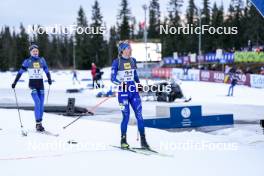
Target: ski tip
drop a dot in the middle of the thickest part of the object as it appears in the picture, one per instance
(24, 134)
(72, 142)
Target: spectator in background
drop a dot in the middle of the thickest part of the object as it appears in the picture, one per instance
(186, 66)
(248, 71)
(239, 70)
(74, 77)
(262, 70)
(93, 72)
(232, 70)
(227, 71)
(98, 77)
(258, 50)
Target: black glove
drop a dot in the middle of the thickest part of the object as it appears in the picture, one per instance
(49, 79)
(124, 86)
(139, 87)
(13, 85)
(16, 80)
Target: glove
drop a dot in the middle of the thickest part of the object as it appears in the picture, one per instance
(139, 87)
(13, 85)
(16, 80)
(49, 81)
(49, 78)
(124, 86)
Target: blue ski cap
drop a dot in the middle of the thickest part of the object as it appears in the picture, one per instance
(34, 46)
(122, 46)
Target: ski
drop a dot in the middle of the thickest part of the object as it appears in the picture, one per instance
(72, 142)
(188, 100)
(151, 151)
(23, 132)
(131, 150)
(256, 142)
(48, 133)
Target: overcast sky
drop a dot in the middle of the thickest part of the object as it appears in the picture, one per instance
(50, 12)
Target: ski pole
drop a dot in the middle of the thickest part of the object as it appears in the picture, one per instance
(24, 133)
(48, 95)
(92, 110)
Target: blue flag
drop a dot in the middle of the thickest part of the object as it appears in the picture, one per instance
(259, 4)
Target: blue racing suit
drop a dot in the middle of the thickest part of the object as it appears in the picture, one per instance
(124, 74)
(234, 80)
(35, 67)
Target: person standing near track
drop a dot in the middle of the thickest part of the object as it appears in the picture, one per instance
(93, 73)
(234, 80)
(125, 75)
(35, 66)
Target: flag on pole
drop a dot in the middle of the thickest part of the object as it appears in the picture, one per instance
(259, 4)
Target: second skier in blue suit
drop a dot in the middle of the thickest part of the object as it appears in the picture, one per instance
(125, 75)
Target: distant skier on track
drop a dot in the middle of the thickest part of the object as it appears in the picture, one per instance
(35, 66)
(234, 77)
(125, 75)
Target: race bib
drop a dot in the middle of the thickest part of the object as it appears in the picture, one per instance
(126, 75)
(35, 73)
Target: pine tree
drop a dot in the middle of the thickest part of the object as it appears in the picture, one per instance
(22, 45)
(123, 21)
(191, 16)
(3, 60)
(234, 19)
(82, 47)
(206, 12)
(173, 42)
(112, 45)
(217, 20)
(191, 13)
(154, 19)
(98, 48)
(7, 49)
(206, 39)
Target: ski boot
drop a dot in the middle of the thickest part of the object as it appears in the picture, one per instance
(124, 144)
(144, 143)
(39, 127)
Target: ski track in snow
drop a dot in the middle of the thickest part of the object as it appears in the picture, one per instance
(93, 155)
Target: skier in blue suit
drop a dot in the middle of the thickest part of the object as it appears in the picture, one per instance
(35, 66)
(234, 80)
(125, 75)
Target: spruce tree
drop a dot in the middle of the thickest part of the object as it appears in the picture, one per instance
(154, 19)
(123, 21)
(206, 18)
(22, 46)
(191, 16)
(82, 46)
(98, 47)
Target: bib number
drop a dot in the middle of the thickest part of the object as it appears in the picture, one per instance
(35, 73)
(126, 75)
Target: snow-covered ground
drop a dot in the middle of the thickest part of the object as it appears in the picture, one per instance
(231, 151)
